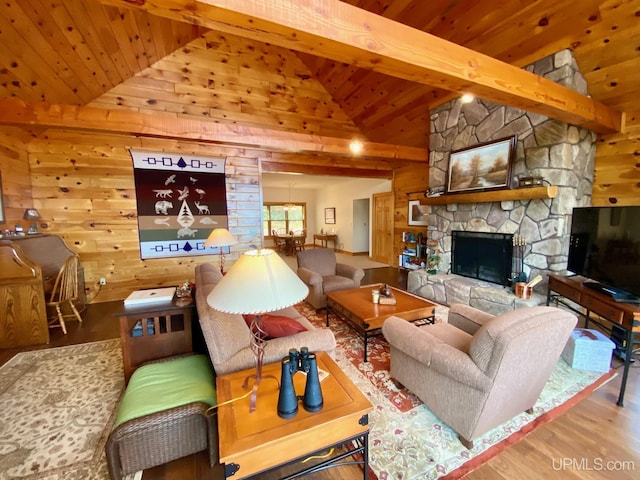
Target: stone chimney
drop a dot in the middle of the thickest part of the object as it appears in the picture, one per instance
(560, 153)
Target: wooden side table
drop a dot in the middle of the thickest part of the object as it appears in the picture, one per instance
(254, 443)
(153, 331)
(325, 238)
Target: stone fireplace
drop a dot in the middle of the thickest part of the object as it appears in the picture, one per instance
(482, 255)
(562, 154)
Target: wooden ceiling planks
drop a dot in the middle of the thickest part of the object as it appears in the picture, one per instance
(602, 33)
(391, 48)
(39, 19)
(74, 51)
(24, 50)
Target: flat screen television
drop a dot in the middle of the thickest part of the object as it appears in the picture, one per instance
(605, 247)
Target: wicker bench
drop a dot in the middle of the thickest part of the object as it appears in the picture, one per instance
(162, 416)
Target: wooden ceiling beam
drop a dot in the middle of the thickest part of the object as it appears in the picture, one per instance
(40, 114)
(280, 167)
(339, 31)
(327, 164)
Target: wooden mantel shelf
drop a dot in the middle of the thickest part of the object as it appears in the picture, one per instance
(550, 191)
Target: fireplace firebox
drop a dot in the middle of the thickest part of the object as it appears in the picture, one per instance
(485, 256)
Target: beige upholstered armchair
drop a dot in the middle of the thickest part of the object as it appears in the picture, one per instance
(478, 371)
(319, 270)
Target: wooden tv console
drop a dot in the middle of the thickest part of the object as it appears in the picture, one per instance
(625, 315)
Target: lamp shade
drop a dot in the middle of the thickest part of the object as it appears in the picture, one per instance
(31, 214)
(220, 237)
(258, 282)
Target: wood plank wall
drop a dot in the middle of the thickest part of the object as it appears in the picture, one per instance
(84, 188)
(16, 177)
(234, 80)
(407, 179)
(617, 167)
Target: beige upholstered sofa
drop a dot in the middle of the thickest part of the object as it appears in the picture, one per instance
(228, 337)
(320, 271)
(477, 371)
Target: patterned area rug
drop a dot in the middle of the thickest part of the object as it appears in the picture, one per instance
(409, 442)
(376, 369)
(57, 407)
(56, 411)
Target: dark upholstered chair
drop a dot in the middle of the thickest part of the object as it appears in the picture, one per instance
(477, 371)
(320, 271)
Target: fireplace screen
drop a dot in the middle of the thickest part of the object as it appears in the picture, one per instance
(485, 256)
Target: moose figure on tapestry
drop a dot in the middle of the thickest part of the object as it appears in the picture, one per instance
(180, 200)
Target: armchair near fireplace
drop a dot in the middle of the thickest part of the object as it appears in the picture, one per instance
(477, 371)
(322, 273)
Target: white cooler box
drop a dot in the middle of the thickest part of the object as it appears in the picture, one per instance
(588, 350)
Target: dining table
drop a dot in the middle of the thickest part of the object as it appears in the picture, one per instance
(290, 242)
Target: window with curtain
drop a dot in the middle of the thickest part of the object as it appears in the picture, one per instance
(284, 218)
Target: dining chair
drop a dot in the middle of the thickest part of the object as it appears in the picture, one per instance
(279, 242)
(65, 290)
(299, 240)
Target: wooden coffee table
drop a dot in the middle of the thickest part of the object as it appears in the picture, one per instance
(253, 443)
(356, 308)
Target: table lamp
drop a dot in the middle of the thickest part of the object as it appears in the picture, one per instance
(258, 282)
(33, 215)
(220, 238)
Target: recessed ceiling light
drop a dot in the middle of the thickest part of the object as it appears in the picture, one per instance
(355, 147)
(467, 98)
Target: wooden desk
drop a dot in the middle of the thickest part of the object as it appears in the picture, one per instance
(626, 315)
(22, 303)
(253, 443)
(29, 266)
(325, 239)
(154, 330)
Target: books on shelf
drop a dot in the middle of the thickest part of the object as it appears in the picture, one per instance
(152, 295)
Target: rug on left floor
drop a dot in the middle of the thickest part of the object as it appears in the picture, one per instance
(57, 407)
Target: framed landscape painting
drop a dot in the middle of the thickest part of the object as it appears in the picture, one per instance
(481, 167)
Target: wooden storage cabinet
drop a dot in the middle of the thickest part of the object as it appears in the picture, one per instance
(153, 331)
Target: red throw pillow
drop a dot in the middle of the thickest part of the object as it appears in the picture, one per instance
(276, 326)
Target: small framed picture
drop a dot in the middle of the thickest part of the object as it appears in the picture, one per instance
(418, 214)
(330, 215)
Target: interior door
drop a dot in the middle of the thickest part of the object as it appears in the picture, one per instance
(382, 228)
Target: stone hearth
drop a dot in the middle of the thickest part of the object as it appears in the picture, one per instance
(448, 289)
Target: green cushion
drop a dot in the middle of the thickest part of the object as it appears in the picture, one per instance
(160, 386)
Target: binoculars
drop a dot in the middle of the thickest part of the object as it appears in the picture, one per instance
(312, 401)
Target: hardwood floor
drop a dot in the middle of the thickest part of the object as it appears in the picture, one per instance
(595, 439)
